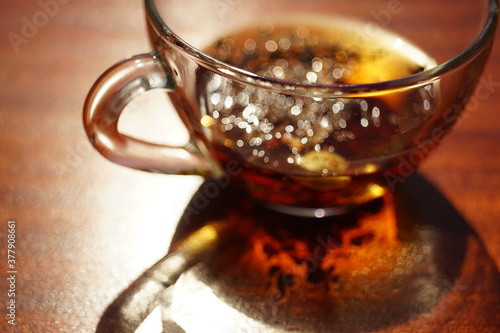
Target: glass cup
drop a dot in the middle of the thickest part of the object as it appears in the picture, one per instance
(313, 107)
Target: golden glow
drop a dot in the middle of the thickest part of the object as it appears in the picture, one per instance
(319, 161)
(376, 190)
(207, 121)
(369, 168)
(201, 240)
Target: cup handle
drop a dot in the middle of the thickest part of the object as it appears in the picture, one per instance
(105, 103)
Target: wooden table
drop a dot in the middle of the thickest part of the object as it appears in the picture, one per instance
(85, 228)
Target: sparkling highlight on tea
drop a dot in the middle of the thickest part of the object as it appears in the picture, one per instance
(315, 143)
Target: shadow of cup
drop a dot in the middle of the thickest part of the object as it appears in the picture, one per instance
(395, 260)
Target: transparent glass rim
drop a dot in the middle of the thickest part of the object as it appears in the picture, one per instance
(225, 69)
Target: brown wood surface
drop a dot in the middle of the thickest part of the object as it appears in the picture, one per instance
(86, 228)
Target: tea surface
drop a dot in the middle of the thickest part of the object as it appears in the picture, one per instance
(334, 148)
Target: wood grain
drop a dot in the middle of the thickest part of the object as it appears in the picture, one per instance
(86, 228)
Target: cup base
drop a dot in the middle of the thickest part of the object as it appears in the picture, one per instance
(306, 211)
